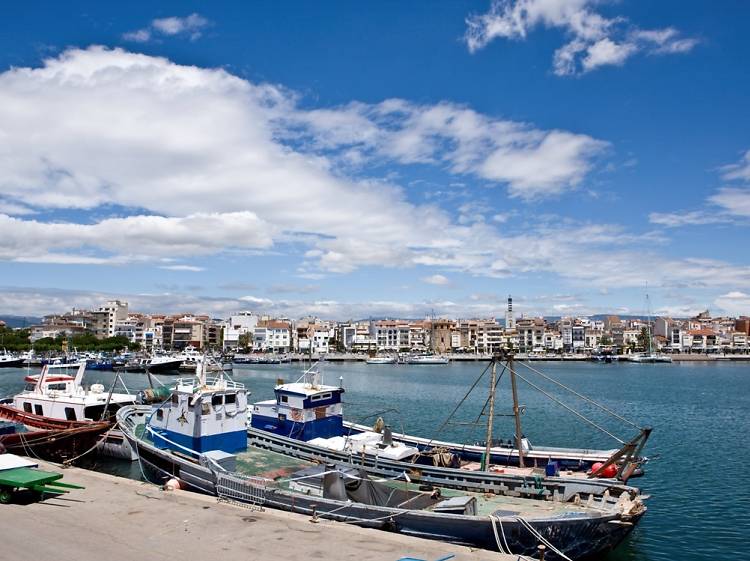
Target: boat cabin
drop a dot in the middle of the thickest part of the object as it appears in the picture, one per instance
(200, 415)
(60, 396)
(302, 410)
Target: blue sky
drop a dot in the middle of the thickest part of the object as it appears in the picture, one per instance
(389, 158)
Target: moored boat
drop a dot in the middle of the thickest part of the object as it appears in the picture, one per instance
(59, 401)
(193, 440)
(427, 359)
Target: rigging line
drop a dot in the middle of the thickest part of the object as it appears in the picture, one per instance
(553, 398)
(474, 385)
(487, 401)
(600, 406)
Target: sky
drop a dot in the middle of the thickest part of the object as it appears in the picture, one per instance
(376, 159)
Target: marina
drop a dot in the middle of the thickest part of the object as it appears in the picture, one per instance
(366, 395)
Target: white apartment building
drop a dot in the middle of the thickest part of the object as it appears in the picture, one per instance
(243, 323)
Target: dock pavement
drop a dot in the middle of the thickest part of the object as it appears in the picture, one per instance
(117, 518)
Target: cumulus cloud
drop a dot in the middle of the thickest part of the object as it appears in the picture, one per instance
(533, 163)
(594, 40)
(734, 302)
(191, 146)
(438, 280)
(191, 26)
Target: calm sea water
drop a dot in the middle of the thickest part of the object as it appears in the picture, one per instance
(700, 447)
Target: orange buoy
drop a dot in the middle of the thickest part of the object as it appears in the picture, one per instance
(609, 472)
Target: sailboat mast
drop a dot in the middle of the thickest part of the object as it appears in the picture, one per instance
(516, 410)
(491, 416)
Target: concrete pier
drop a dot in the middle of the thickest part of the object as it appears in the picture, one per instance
(116, 518)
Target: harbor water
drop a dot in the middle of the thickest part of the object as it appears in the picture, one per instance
(700, 456)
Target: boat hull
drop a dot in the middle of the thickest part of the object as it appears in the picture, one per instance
(579, 537)
(56, 445)
(479, 481)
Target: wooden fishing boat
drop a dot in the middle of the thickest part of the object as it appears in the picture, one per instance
(55, 445)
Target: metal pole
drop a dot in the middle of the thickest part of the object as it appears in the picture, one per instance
(491, 417)
(516, 410)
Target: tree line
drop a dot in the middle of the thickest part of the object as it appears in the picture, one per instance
(17, 340)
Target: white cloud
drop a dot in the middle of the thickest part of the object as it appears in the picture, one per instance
(189, 268)
(735, 201)
(693, 218)
(735, 303)
(738, 171)
(191, 25)
(438, 280)
(134, 238)
(594, 40)
(98, 127)
(533, 163)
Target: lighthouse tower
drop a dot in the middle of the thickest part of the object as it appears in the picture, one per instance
(510, 320)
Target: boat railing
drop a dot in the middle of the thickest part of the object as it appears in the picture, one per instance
(212, 382)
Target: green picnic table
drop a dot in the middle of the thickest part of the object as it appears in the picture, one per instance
(33, 479)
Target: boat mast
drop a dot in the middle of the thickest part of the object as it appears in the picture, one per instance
(516, 410)
(491, 417)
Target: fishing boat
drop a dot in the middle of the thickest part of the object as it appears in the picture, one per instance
(306, 420)
(156, 364)
(194, 437)
(55, 444)
(52, 400)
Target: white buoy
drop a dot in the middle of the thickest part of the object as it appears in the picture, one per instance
(172, 485)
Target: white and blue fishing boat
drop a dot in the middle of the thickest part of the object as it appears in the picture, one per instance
(305, 420)
(192, 437)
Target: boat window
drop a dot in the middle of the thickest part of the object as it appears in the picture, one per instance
(159, 414)
(282, 417)
(29, 387)
(230, 398)
(175, 398)
(70, 414)
(205, 408)
(217, 400)
(284, 399)
(320, 396)
(27, 407)
(38, 409)
(56, 387)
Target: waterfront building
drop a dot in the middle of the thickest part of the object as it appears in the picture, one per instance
(272, 336)
(239, 325)
(107, 317)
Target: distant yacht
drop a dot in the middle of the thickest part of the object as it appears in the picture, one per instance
(381, 360)
(651, 355)
(427, 359)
